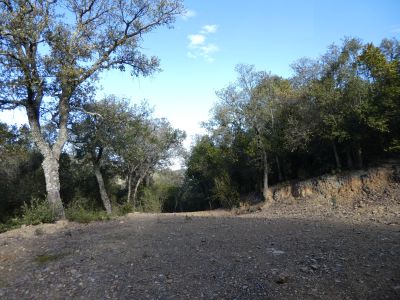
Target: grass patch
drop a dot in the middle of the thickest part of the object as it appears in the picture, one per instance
(10, 224)
(45, 258)
(3, 283)
(37, 212)
(80, 214)
(122, 209)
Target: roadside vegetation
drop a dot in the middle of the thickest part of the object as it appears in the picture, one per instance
(87, 159)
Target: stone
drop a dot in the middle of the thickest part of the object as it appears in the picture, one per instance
(282, 278)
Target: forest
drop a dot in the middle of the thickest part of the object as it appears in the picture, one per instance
(82, 158)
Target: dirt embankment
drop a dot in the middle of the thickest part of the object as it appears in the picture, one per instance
(337, 237)
(346, 189)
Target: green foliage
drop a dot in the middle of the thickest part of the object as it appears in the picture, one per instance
(10, 224)
(152, 199)
(163, 192)
(225, 192)
(46, 258)
(339, 111)
(38, 211)
(21, 176)
(78, 211)
(122, 209)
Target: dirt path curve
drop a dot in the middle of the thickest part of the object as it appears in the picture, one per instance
(203, 256)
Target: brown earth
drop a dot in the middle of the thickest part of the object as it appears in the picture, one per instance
(312, 246)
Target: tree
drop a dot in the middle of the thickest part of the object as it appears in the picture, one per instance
(251, 105)
(146, 149)
(99, 134)
(381, 68)
(50, 51)
(21, 178)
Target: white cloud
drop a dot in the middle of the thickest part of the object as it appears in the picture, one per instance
(199, 45)
(209, 29)
(188, 14)
(196, 39)
(209, 49)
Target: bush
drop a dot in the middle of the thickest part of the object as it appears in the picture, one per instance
(153, 197)
(122, 209)
(10, 224)
(77, 212)
(39, 211)
(224, 191)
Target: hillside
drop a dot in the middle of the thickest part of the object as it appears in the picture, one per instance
(335, 237)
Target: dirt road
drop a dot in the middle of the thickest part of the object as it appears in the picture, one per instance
(217, 255)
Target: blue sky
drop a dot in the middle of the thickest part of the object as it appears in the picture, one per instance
(199, 54)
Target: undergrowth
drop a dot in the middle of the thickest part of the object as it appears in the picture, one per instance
(77, 212)
(38, 212)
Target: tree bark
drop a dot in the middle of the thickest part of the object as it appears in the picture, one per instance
(103, 193)
(264, 163)
(337, 158)
(50, 162)
(51, 173)
(140, 179)
(138, 182)
(265, 182)
(129, 187)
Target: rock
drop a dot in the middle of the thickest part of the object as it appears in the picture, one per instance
(278, 252)
(304, 269)
(282, 278)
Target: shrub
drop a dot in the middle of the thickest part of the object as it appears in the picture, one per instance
(10, 224)
(153, 197)
(122, 209)
(39, 211)
(77, 212)
(224, 191)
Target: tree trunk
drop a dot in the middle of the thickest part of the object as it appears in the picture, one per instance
(265, 183)
(50, 167)
(136, 189)
(337, 159)
(129, 188)
(50, 162)
(349, 159)
(278, 165)
(102, 189)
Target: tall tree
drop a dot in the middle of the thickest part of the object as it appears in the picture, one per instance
(99, 134)
(145, 150)
(51, 50)
(380, 66)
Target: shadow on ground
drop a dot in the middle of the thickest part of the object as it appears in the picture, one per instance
(180, 257)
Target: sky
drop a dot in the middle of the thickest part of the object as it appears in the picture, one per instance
(199, 54)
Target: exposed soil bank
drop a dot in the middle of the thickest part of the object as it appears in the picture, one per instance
(310, 247)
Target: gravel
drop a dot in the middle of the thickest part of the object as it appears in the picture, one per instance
(282, 252)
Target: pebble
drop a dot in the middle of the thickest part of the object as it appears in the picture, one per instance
(282, 278)
(304, 269)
